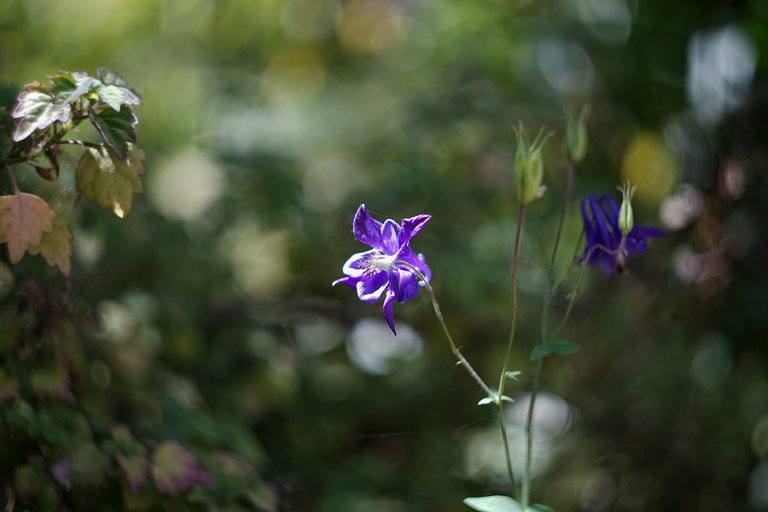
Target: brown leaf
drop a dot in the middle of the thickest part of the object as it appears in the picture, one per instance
(23, 220)
(55, 246)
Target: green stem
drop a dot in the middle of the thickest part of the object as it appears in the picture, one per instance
(12, 176)
(510, 342)
(551, 271)
(459, 356)
(574, 292)
(82, 143)
(526, 485)
(525, 490)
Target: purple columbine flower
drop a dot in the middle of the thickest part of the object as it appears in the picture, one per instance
(388, 268)
(607, 245)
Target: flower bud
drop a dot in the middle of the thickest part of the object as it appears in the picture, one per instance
(626, 218)
(529, 166)
(576, 135)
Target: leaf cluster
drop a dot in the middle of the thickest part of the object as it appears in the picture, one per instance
(81, 430)
(108, 170)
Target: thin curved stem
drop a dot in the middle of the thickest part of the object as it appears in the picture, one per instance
(551, 270)
(12, 176)
(438, 312)
(82, 143)
(574, 294)
(505, 367)
(525, 487)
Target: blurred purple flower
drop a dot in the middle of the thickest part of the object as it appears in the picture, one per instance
(62, 473)
(606, 245)
(175, 469)
(389, 265)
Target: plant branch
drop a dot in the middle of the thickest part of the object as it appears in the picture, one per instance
(526, 482)
(82, 143)
(12, 176)
(505, 367)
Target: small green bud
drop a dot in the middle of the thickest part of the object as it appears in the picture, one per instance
(626, 218)
(576, 134)
(529, 166)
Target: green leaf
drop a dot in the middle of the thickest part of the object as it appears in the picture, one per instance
(563, 348)
(514, 375)
(104, 179)
(39, 106)
(117, 129)
(493, 504)
(487, 401)
(35, 110)
(68, 87)
(114, 90)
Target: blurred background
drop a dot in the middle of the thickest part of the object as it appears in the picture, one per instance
(207, 316)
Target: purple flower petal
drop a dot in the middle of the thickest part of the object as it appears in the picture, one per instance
(408, 256)
(389, 301)
(408, 286)
(646, 232)
(349, 281)
(358, 263)
(370, 288)
(610, 210)
(393, 281)
(366, 229)
(390, 234)
(636, 245)
(412, 226)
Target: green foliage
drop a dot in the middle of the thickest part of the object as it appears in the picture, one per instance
(117, 129)
(57, 446)
(39, 106)
(108, 172)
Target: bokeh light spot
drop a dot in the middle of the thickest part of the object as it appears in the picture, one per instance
(650, 166)
(566, 66)
(259, 258)
(294, 75)
(374, 349)
(186, 185)
(371, 27)
(721, 64)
